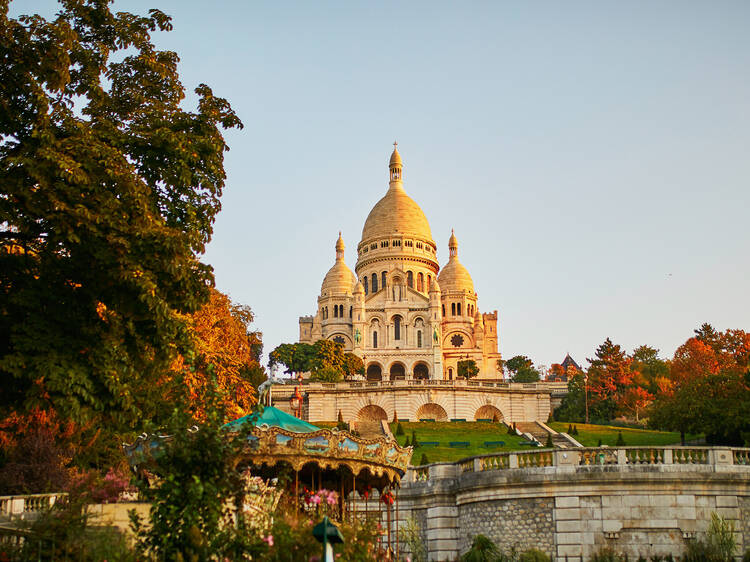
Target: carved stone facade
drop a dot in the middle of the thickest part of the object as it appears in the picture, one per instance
(401, 313)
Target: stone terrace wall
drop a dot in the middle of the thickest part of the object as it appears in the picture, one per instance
(571, 503)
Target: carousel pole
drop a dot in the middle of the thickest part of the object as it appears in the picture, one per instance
(354, 500)
(388, 520)
(398, 544)
(296, 491)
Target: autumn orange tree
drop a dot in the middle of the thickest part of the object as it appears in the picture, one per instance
(226, 349)
(709, 387)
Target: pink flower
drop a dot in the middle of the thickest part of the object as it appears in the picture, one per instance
(315, 499)
(269, 540)
(332, 499)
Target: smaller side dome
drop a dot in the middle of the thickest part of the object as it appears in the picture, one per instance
(339, 278)
(359, 289)
(454, 277)
(478, 319)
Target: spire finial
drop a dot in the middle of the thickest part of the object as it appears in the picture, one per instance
(340, 247)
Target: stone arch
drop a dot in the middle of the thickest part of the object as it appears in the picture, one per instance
(397, 371)
(488, 412)
(421, 371)
(432, 411)
(374, 372)
(372, 412)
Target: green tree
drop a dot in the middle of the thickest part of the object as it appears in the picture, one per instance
(296, 357)
(522, 369)
(109, 192)
(467, 368)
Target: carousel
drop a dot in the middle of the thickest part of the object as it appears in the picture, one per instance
(357, 477)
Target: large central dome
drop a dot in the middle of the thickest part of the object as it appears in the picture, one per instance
(396, 212)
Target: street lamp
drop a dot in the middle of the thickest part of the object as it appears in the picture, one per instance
(586, 393)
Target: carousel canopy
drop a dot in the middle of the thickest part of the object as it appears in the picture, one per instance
(273, 417)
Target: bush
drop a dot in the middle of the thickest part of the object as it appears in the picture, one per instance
(399, 429)
(607, 555)
(482, 550)
(549, 444)
(575, 430)
(599, 443)
(414, 442)
(534, 555)
(407, 443)
(424, 460)
(620, 440)
(495, 419)
(570, 429)
(511, 430)
(412, 536)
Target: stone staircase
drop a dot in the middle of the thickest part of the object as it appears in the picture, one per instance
(369, 429)
(540, 434)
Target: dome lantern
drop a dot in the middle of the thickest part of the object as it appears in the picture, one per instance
(395, 165)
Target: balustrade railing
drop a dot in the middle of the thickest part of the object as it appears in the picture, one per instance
(552, 387)
(598, 456)
(20, 506)
(741, 456)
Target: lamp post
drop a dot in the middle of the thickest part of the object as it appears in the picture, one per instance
(586, 394)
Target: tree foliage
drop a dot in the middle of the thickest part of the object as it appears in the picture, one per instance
(326, 360)
(109, 193)
(522, 369)
(709, 388)
(225, 348)
(467, 369)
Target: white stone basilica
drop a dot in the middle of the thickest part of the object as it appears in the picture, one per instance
(402, 314)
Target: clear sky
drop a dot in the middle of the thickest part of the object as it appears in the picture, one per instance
(592, 157)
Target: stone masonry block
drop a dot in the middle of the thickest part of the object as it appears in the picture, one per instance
(568, 550)
(663, 500)
(728, 512)
(616, 513)
(562, 514)
(569, 538)
(568, 526)
(611, 526)
(635, 500)
(685, 501)
(442, 511)
(611, 501)
(726, 501)
(569, 501)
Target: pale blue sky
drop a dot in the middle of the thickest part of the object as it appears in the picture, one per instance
(582, 151)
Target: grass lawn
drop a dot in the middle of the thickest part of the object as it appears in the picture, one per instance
(589, 435)
(476, 433)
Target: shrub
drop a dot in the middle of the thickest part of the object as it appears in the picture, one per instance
(607, 555)
(620, 440)
(399, 429)
(412, 536)
(407, 443)
(575, 430)
(424, 460)
(570, 429)
(495, 419)
(599, 443)
(549, 444)
(482, 550)
(414, 442)
(511, 430)
(534, 555)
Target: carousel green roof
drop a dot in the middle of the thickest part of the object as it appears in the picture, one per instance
(273, 417)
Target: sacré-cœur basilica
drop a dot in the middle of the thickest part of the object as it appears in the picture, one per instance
(411, 322)
(404, 315)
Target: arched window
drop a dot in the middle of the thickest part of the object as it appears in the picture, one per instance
(419, 338)
(450, 374)
(365, 283)
(374, 283)
(375, 339)
(443, 310)
(410, 279)
(335, 311)
(325, 314)
(429, 283)
(420, 282)
(350, 312)
(458, 309)
(453, 309)
(397, 328)
(382, 279)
